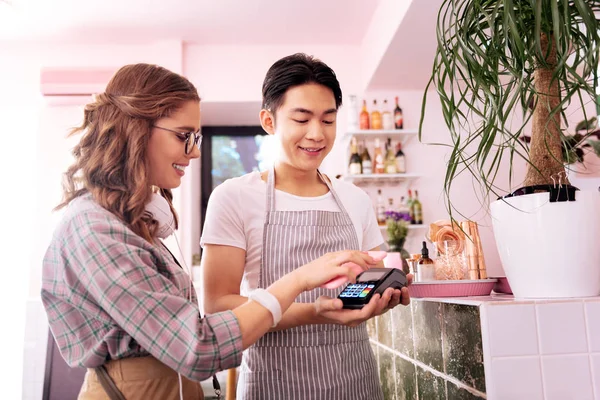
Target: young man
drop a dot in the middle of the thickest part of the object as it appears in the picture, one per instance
(262, 225)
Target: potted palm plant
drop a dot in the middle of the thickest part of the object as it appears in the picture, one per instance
(497, 59)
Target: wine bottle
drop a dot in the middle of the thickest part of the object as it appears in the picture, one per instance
(387, 117)
(380, 209)
(418, 209)
(355, 164)
(411, 208)
(400, 159)
(364, 116)
(378, 166)
(390, 158)
(375, 117)
(398, 118)
(365, 158)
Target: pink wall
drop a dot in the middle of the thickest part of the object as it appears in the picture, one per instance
(235, 73)
(232, 75)
(227, 77)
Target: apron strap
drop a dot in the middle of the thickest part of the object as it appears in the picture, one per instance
(108, 384)
(334, 194)
(270, 190)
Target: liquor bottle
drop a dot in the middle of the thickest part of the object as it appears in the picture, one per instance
(398, 118)
(365, 158)
(375, 117)
(391, 207)
(387, 118)
(378, 166)
(418, 209)
(400, 159)
(390, 158)
(411, 209)
(403, 208)
(364, 116)
(355, 164)
(380, 210)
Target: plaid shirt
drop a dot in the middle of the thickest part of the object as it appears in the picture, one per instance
(109, 294)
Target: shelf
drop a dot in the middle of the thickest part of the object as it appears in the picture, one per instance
(404, 134)
(375, 178)
(410, 227)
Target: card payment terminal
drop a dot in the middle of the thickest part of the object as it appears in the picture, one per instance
(374, 280)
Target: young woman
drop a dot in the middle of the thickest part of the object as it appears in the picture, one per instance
(263, 225)
(117, 300)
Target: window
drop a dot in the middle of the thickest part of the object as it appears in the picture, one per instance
(231, 151)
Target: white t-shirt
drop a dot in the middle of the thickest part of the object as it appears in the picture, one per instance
(235, 216)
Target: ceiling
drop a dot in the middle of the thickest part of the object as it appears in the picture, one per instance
(407, 62)
(209, 22)
(402, 65)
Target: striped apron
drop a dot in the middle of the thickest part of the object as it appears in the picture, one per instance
(309, 362)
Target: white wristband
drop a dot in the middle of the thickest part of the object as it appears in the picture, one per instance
(268, 301)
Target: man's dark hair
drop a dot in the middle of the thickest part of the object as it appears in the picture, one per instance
(294, 70)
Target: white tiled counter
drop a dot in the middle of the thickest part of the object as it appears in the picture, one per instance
(543, 349)
(493, 347)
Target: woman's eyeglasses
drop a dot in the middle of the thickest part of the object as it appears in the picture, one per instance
(187, 136)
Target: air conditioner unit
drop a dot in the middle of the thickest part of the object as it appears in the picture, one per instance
(74, 81)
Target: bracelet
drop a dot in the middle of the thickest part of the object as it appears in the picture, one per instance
(268, 301)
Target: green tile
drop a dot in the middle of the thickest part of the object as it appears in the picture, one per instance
(454, 392)
(427, 333)
(384, 329)
(403, 330)
(463, 351)
(372, 328)
(430, 387)
(406, 380)
(376, 352)
(387, 375)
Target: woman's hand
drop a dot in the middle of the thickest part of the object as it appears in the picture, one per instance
(331, 266)
(331, 311)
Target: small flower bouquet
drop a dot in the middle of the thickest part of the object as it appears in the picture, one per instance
(397, 230)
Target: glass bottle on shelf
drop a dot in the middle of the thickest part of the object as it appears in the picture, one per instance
(411, 208)
(355, 164)
(375, 117)
(364, 117)
(380, 209)
(418, 209)
(400, 159)
(398, 117)
(386, 117)
(365, 158)
(391, 207)
(403, 208)
(390, 158)
(378, 166)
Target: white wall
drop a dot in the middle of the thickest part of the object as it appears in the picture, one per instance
(19, 107)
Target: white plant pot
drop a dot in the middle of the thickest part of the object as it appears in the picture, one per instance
(549, 250)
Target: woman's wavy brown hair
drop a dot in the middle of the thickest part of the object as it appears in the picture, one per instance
(110, 159)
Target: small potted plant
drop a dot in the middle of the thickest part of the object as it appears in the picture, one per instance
(397, 230)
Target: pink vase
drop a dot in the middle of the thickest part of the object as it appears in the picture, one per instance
(393, 260)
